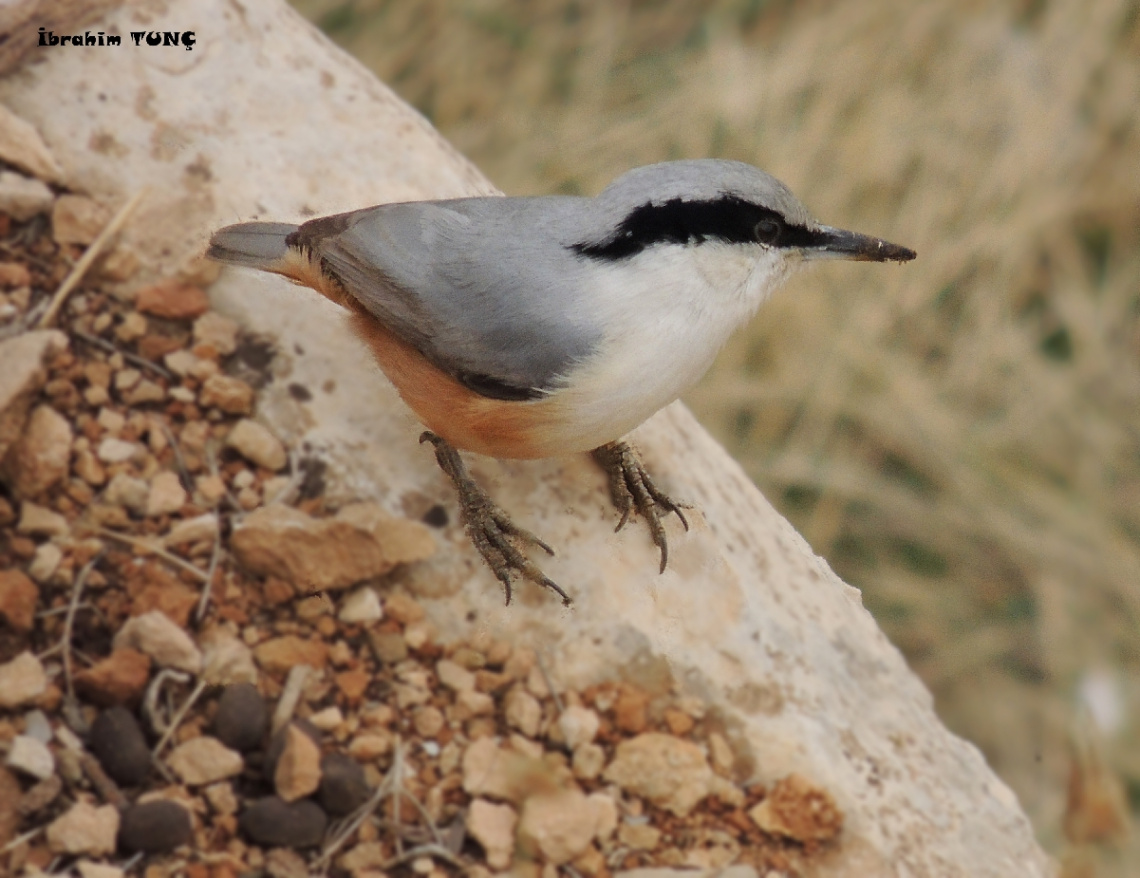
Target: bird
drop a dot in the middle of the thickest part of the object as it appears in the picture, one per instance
(542, 326)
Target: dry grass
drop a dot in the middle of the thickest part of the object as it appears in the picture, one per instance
(960, 436)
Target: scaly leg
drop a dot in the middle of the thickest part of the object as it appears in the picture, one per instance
(632, 489)
(489, 527)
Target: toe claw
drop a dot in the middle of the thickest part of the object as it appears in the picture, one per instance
(632, 488)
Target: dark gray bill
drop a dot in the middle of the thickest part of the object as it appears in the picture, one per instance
(832, 243)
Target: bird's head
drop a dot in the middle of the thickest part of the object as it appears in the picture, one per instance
(691, 203)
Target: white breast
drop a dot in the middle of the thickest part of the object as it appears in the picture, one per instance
(666, 314)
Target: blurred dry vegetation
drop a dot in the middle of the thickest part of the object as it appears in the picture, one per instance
(959, 436)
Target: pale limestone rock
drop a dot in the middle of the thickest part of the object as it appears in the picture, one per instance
(88, 869)
(578, 725)
(605, 815)
(32, 757)
(258, 445)
(128, 492)
(39, 459)
(217, 331)
(588, 761)
(670, 772)
(115, 450)
(45, 562)
(154, 634)
(522, 711)
(23, 197)
(39, 521)
(454, 677)
(361, 542)
(22, 374)
(181, 362)
(639, 836)
(84, 829)
(132, 328)
(166, 494)
(231, 395)
(328, 719)
(493, 826)
(738, 871)
(145, 392)
(222, 798)
(22, 146)
(470, 702)
(21, 680)
(486, 770)
(298, 771)
(226, 659)
(77, 219)
(560, 825)
(204, 760)
(125, 379)
(361, 607)
(192, 530)
(368, 746)
(798, 809)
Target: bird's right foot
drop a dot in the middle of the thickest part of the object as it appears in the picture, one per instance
(490, 529)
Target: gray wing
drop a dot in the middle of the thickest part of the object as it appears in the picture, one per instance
(483, 287)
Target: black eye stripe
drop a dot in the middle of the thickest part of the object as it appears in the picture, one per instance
(729, 219)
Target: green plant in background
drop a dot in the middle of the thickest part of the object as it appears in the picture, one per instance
(962, 439)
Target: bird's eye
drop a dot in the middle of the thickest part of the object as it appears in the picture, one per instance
(768, 230)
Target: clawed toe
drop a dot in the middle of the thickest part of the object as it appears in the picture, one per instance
(633, 490)
(490, 529)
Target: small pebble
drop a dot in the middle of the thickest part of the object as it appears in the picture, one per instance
(241, 718)
(118, 743)
(273, 822)
(31, 757)
(388, 646)
(277, 744)
(343, 787)
(154, 827)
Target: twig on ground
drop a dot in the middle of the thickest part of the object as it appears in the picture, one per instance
(71, 706)
(290, 697)
(103, 784)
(549, 682)
(179, 715)
(88, 258)
(110, 347)
(152, 549)
(211, 571)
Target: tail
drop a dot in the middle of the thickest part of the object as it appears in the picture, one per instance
(254, 245)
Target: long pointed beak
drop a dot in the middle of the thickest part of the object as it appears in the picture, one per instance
(832, 243)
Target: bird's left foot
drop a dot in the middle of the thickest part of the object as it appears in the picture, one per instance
(632, 489)
(491, 530)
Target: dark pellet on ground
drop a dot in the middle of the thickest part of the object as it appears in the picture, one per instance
(118, 743)
(273, 822)
(343, 787)
(241, 718)
(154, 827)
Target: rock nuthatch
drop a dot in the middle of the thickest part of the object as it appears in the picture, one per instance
(551, 325)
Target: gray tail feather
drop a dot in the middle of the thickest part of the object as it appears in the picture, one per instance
(256, 245)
